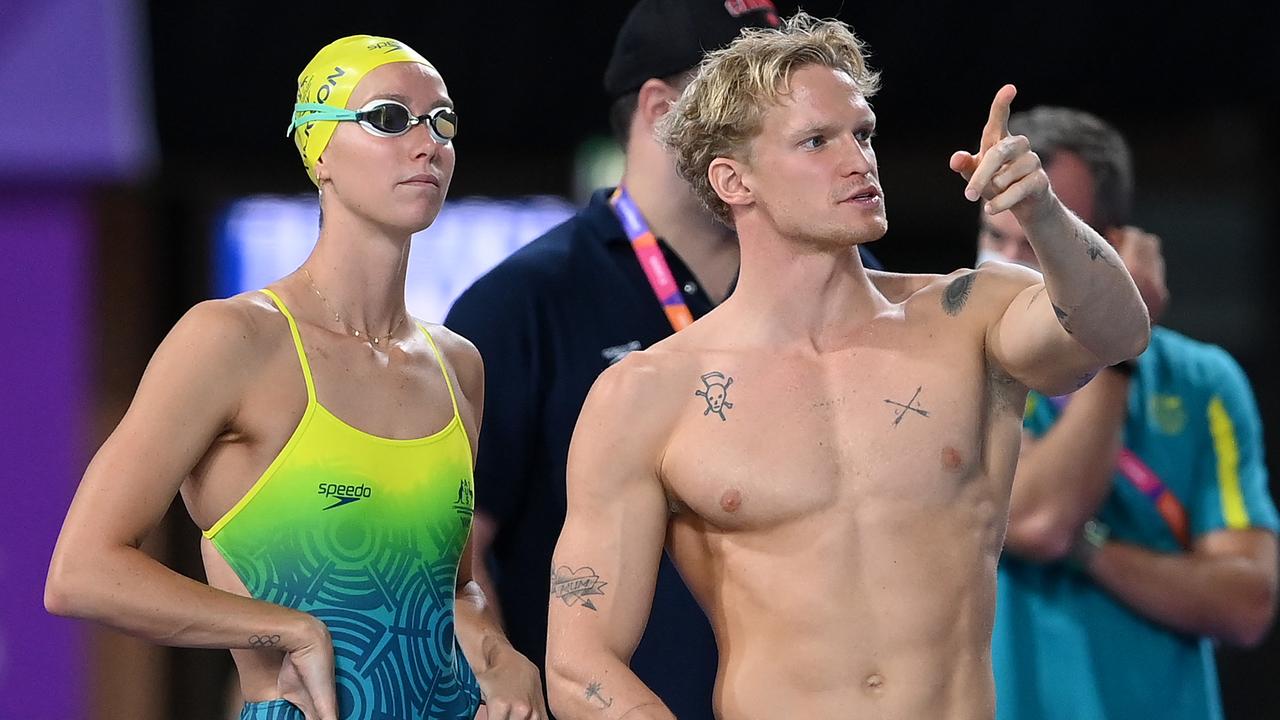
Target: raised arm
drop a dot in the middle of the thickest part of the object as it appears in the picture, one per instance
(1065, 475)
(187, 397)
(1087, 313)
(606, 562)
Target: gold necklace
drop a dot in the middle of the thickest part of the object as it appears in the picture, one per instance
(375, 339)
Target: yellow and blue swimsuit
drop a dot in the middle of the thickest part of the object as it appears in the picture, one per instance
(364, 533)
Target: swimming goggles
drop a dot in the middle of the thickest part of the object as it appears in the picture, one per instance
(384, 118)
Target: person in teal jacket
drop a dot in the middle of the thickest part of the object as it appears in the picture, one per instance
(1141, 530)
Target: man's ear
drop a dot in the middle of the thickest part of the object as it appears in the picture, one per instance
(653, 100)
(728, 179)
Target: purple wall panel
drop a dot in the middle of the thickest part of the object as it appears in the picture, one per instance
(45, 236)
(75, 89)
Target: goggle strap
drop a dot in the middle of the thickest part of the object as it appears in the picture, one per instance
(304, 113)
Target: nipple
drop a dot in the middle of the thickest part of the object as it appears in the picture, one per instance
(951, 459)
(731, 500)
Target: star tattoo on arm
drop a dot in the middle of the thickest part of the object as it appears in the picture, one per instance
(593, 693)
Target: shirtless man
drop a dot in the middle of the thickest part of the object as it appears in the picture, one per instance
(828, 455)
(323, 440)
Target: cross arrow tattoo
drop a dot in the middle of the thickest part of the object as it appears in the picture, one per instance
(910, 406)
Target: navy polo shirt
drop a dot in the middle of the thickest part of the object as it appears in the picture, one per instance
(547, 321)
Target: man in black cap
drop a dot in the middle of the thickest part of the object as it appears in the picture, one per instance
(636, 264)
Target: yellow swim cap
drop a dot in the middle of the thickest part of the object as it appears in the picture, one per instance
(329, 79)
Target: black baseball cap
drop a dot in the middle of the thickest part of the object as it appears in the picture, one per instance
(664, 37)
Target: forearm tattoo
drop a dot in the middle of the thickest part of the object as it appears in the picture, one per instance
(957, 294)
(1063, 318)
(909, 406)
(1093, 247)
(574, 586)
(716, 392)
(264, 641)
(594, 695)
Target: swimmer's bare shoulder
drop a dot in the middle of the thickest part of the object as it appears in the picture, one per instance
(188, 395)
(1007, 312)
(976, 296)
(209, 360)
(210, 355)
(639, 392)
(464, 360)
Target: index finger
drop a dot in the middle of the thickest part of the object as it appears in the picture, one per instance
(997, 127)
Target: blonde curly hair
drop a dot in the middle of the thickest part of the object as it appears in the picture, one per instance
(723, 108)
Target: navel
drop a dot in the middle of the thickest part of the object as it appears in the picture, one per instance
(874, 684)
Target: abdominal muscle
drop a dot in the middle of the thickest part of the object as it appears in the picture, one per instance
(879, 614)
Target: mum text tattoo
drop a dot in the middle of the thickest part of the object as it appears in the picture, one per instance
(574, 586)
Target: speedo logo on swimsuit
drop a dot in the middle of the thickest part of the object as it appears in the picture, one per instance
(344, 494)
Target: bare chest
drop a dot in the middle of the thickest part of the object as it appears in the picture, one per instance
(764, 441)
(398, 394)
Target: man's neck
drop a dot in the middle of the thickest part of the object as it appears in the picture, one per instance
(813, 296)
(359, 269)
(707, 247)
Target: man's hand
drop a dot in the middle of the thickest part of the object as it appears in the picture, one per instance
(1004, 171)
(1140, 251)
(306, 676)
(512, 689)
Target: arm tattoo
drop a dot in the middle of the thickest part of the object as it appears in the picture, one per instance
(909, 406)
(624, 715)
(1063, 318)
(574, 586)
(716, 392)
(1035, 295)
(593, 693)
(1093, 248)
(957, 294)
(264, 641)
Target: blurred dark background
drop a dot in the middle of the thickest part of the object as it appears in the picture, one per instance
(1193, 87)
